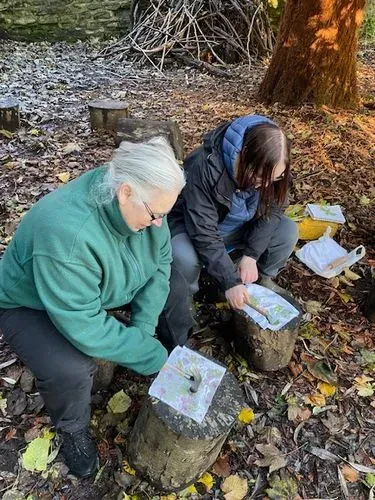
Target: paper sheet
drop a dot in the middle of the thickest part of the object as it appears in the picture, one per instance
(171, 387)
(330, 213)
(279, 310)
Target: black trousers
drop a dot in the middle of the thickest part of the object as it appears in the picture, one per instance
(64, 375)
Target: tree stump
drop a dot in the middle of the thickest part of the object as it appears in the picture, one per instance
(265, 349)
(170, 450)
(137, 130)
(103, 375)
(104, 114)
(9, 114)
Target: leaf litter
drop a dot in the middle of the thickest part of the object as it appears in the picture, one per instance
(319, 443)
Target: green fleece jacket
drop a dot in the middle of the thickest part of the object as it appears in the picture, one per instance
(76, 259)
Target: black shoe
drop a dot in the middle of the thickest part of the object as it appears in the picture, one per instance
(80, 453)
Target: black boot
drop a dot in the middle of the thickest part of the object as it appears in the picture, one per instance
(80, 453)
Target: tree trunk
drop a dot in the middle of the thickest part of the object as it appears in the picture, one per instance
(315, 55)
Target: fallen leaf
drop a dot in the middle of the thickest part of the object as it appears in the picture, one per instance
(207, 480)
(63, 177)
(315, 400)
(234, 487)
(127, 468)
(335, 424)
(363, 386)
(295, 368)
(119, 402)
(272, 457)
(370, 480)
(10, 434)
(313, 307)
(71, 147)
(345, 297)
(35, 457)
(320, 370)
(351, 275)
(282, 489)
(246, 415)
(349, 473)
(323, 454)
(365, 201)
(326, 389)
(222, 467)
(344, 487)
(298, 414)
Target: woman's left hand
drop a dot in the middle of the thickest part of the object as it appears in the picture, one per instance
(248, 269)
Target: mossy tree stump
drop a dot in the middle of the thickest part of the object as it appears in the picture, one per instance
(104, 114)
(265, 349)
(9, 114)
(170, 450)
(137, 130)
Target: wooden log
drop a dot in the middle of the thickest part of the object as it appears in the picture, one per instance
(104, 114)
(170, 450)
(265, 349)
(137, 130)
(9, 114)
(103, 375)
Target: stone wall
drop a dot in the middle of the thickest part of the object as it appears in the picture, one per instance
(51, 20)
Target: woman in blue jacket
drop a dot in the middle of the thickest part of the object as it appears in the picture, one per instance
(235, 195)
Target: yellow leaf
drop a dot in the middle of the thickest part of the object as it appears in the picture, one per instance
(315, 400)
(246, 415)
(63, 177)
(35, 457)
(273, 3)
(171, 496)
(119, 402)
(34, 131)
(345, 297)
(234, 487)
(365, 201)
(222, 305)
(127, 468)
(207, 480)
(326, 389)
(350, 275)
(363, 386)
(205, 107)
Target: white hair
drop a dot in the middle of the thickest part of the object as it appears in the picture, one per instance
(146, 167)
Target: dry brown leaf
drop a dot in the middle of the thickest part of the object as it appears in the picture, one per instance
(349, 473)
(221, 467)
(315, 400)
(298, 414)
(234, 487)
(272, 457)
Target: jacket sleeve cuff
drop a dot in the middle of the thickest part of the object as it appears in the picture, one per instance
(249, 252)
(144, 327)
(230, 282)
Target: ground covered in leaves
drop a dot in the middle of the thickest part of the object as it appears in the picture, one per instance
(310, 430)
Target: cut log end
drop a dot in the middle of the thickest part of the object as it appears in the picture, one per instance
(105, 114)
(137, 130)
(9, 114)
(265, 350)
(170, 450)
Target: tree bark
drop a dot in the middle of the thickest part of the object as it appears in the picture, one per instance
(315, 55)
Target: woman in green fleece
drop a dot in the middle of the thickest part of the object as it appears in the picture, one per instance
(95, 244)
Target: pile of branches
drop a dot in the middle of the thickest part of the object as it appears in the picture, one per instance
(208, 33)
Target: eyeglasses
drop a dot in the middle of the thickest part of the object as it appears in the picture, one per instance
(151, 213)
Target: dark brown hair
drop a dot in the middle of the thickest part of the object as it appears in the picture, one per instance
(264, 147)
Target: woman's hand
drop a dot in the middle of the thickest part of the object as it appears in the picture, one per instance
(237, 296)
(248, 269)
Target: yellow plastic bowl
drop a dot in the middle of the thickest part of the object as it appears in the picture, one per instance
(310, 229)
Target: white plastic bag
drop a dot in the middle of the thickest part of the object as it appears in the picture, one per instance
(326, 257)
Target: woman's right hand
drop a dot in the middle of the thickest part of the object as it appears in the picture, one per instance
(237, 296)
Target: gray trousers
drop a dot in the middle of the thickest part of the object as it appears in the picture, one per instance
(177, 319)
(64, 375)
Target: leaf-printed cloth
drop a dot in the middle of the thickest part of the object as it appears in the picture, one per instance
(171, 387)
(279, 310)
(330, 213)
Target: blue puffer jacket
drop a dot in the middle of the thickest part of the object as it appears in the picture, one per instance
(244, 203)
